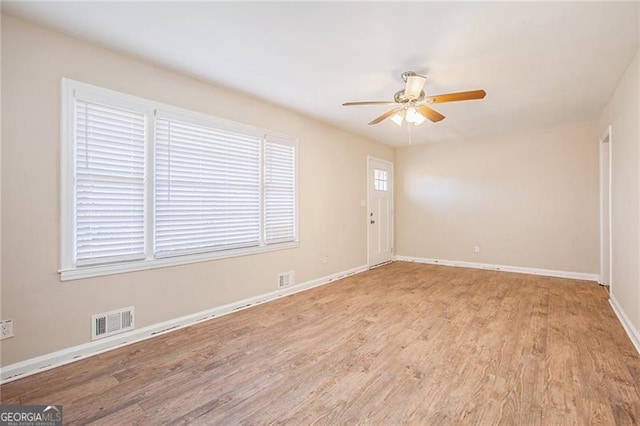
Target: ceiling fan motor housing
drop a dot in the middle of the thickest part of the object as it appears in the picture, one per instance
(401, 98)
(414, 83)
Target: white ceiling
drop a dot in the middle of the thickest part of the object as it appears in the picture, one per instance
(542, 64)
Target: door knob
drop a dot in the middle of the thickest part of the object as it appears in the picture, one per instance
(372, 221)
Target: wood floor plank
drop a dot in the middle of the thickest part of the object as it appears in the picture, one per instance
(401, 344)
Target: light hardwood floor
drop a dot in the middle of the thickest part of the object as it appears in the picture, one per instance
(404, 343)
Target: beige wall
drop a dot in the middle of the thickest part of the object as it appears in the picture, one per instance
(49, 314)
(623, 114)
(528, 199)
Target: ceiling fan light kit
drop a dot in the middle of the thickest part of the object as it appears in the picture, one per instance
(410, 103)
(413, 116)
(398, 117)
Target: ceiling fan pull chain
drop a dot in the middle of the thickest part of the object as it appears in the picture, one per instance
(410, 134)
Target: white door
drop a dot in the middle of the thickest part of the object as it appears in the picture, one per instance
(380, 211)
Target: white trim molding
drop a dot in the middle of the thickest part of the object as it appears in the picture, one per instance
(605, 144)
(632, 332)
(163, 262)
(65, 356)
(505, 268)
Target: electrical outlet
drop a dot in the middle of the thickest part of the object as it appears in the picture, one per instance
(6, 329)
(324, 259)
(476, 249)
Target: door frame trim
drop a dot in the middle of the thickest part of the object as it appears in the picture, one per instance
(606, 138)
(366, 213)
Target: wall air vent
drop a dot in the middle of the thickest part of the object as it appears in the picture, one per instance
(285, 279)
(110, 323)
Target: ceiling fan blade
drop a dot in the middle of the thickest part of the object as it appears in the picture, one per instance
(459, 96)
(385, 116)
(429, 113)
(369, 103)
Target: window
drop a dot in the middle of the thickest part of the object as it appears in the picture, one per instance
(146, 185)
(207, 188)
(109, 188)
(380, 180)
(279, 194)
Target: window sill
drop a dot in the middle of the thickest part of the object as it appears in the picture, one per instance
(142, 265)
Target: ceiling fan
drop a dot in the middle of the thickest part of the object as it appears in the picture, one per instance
(411, 103)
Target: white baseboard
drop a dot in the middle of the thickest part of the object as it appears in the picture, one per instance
(632, 332)
(506, 268)
(65, 356)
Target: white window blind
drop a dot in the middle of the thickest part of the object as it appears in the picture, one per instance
(207, 188)
(279, 191)
(147, 185)
(109, 184)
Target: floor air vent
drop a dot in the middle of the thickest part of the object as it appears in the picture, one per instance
(110, 323)
(285, 279)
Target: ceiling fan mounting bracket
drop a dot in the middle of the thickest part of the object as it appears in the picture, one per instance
(406, 75)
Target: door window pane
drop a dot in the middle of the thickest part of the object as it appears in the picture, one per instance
(381, 180)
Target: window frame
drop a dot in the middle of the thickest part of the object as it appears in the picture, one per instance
(69, 271)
